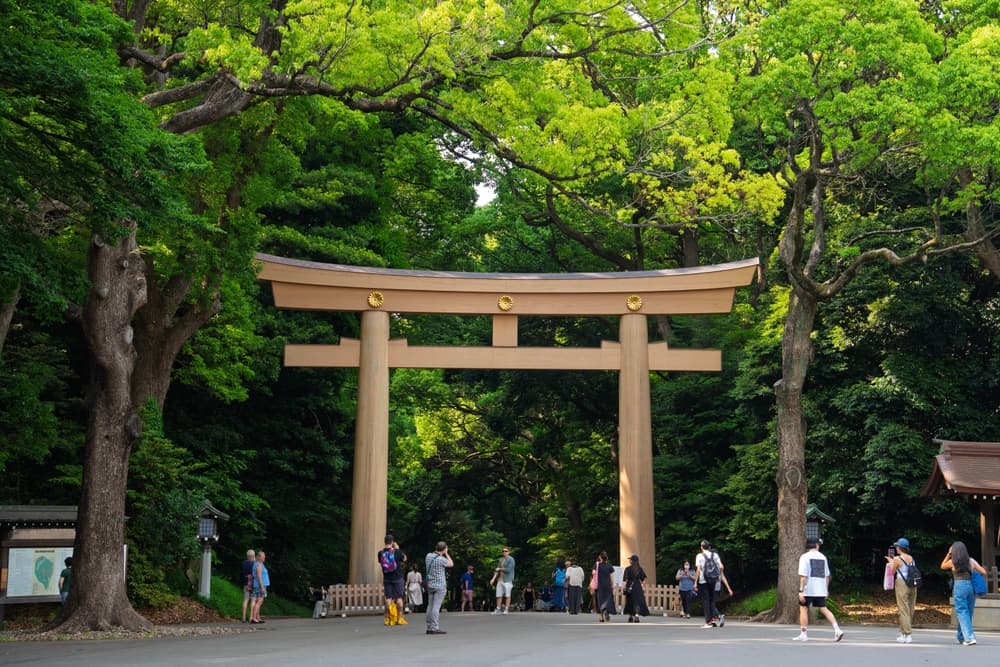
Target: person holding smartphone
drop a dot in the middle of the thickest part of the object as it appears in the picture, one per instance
(900, 561)
(437, 562)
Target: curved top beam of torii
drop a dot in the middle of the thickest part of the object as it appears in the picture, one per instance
(688, 291)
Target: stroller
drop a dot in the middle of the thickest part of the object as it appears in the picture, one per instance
(321, 601)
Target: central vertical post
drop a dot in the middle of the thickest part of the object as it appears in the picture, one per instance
(635, 447)
(371, 450)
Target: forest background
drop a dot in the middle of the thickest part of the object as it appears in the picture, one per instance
(149, 147)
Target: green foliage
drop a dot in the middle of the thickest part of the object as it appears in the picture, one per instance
(753, 604)
(227, 599)
(602, 161)
(146, 583)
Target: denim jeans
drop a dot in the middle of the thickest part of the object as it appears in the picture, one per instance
(434, 600)
(965, 605)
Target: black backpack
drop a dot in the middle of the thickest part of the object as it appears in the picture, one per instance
(710, 570)
(913, 578)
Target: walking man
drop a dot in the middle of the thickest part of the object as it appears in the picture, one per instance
(708, 567)
(574, 586)
(392, 560)
(814, 586)
(436, 563)
(503, 575)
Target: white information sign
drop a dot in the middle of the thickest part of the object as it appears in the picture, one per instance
(35, 571)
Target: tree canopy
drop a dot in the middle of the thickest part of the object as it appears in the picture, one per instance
(149, 148)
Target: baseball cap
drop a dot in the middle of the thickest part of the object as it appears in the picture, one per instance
(902, 542)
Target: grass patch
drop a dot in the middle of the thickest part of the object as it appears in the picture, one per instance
(754, 603)
(227, 599)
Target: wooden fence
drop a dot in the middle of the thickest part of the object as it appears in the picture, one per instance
(368, 599)
(355, 599)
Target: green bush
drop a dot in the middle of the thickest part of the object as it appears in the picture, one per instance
(754, 603)
(227, 599)
(145, 583)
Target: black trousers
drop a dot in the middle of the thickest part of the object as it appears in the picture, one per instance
(573, 594)
(707, 593)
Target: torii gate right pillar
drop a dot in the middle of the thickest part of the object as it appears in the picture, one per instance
(635, 447)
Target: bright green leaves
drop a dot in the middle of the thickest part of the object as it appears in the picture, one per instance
(860, 76)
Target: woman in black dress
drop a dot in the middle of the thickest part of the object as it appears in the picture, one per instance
(635, 599)
(605, 591)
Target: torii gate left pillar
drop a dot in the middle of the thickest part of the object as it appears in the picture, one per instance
(371, 448)
(309, 285)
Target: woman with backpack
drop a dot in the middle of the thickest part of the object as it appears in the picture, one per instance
(559, 586)
(901, 563)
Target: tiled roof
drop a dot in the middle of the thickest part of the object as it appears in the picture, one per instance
(36, 516)
(971, 468)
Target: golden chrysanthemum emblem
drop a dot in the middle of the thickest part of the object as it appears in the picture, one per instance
(375, 299)
(634, 302)
(505, 303)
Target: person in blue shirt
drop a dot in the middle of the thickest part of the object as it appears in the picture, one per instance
(468, 586)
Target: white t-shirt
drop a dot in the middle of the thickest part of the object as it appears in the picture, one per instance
(699, 562)
(814, 566)
(574, 575)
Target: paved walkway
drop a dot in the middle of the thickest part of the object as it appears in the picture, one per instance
(479, 639)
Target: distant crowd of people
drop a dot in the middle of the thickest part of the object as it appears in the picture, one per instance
(564, 592)
(407, 590)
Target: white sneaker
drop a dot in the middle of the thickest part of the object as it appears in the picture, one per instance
(969, 642)
(802, 637)
(908, 639)
(496, 612)
(838, 634)
(505, 612)
(901, 639)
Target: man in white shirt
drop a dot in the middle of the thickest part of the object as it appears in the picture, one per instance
(574, 586)
(708, 568)
(814, 586)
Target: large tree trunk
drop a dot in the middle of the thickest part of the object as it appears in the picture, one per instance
(97, 599)
(796, 353)
(162, 327)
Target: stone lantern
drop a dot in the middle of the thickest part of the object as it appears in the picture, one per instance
(208, 534)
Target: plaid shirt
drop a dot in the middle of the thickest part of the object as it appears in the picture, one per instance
(436, 566)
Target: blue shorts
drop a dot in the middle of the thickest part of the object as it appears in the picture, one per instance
(393, 589)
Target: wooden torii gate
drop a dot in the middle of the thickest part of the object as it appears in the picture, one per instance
(376, 293)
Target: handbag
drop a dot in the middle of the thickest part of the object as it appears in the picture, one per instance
(889, 578)
(978, 583)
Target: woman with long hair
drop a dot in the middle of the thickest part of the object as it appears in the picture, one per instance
(963, 597)
(605, 589)
(635, 598)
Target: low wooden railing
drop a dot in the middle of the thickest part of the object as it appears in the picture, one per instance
(367, 599)
(660, 599)
(355, 599)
